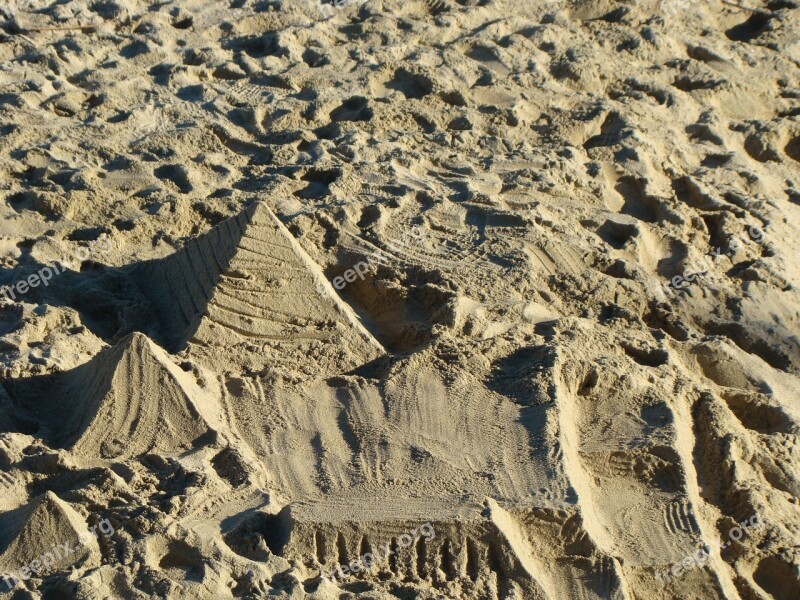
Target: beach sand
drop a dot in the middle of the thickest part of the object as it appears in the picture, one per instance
(500, 292)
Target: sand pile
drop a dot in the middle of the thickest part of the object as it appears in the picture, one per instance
(431, 299)
(128, 401)
(27, 533)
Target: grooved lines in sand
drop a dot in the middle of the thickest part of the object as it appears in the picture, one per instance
(248, 281)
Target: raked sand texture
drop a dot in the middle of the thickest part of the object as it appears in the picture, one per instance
(496, 297)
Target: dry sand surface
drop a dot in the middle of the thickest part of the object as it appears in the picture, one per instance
(480, 299)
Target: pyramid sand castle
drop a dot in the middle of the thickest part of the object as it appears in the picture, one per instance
(246, 293)
(29, 533)
(130, 399)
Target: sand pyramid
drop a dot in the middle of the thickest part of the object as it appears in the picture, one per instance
(128, 400)
(30, 532)
(247, 293)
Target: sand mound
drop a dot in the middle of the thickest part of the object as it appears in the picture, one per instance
(41, 527)
(129, 400)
